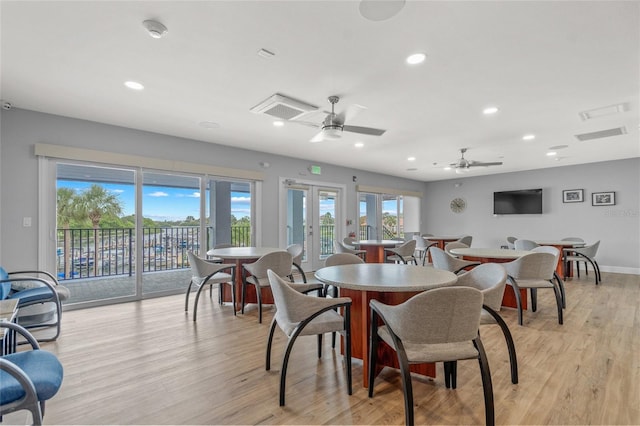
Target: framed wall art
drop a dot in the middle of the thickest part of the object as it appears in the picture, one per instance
(603, 198)
(573, 196)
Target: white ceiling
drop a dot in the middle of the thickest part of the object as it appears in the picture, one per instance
(541, 63)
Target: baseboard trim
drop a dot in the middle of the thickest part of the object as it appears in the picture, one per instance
(620, 270)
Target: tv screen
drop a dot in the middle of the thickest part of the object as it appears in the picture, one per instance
(524, 201)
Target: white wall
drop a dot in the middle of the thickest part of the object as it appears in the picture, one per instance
(21, 129)
(618, 226)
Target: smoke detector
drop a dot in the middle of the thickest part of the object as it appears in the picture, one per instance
(155, 28)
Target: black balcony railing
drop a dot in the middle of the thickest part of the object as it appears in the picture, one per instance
(88, 253)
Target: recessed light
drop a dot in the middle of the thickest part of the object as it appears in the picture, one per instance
(208, 124)
(416, 58)
(134, 85)
(411, 159)
(551, 153)
(490, 110)
(278, 123)
(412, 169)
(528, 137)
(557, 147)
(447, 168)
(358, 144)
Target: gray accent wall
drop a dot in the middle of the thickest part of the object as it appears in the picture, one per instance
(617, 226)
(21, 129)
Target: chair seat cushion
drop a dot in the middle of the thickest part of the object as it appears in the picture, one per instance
(534, 284)
(324, 323)
(42, 367)
(32, 295)
(430, 352)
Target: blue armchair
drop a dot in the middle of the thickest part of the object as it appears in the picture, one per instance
(39, 297)
(28, 378)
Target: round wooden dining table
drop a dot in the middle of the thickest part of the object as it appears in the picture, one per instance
(240, 256)
(492, 255)
(375, 248)
(389, 283)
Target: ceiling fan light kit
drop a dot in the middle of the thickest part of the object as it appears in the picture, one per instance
(462, 165)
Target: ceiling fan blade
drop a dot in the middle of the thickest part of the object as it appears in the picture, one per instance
(364, 130)
(478, 164)
(350, 113)
(319, 137)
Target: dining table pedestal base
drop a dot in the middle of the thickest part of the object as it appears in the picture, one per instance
(360, 332)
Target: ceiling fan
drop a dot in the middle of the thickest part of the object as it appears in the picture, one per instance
(463, 165)
(334, 124)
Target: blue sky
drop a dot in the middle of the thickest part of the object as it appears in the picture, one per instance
(161, 203)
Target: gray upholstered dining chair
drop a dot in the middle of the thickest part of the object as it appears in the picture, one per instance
(440, 259)
(279, 262)
(491, 279)
(341, 247)
(554, 251)
(569, 251)
(422, 247)
(453, 245)
(583, 254)
(521, 244)
(439, 325)
(533, 271)
(298, 314)
(206, 273)
(296, 251)
(404, 253)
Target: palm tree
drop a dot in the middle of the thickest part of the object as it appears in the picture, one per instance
(95, 203)
(67, 211)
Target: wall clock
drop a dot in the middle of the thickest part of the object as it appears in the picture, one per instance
(458, 205)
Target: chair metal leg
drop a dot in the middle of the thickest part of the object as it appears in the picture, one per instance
(285, 363)
(556, 290)
(513, 359)
(516, 290)
(447, 374)
(347, 344)
(186, 299)
(487, 386)
(195, 305)
(319, 346)
(534, 299)
(272, 329)
(259, 298)
(406, 386)
(561, 286)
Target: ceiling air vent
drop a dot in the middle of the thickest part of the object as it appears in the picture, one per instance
(601, 112)
(283, 107)
(602, 134)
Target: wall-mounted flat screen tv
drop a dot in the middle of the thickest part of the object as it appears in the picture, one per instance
(524, 201)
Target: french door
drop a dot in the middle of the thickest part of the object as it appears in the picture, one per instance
(313, 218)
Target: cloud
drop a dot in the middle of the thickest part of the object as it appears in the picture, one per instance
(158, 194)
(241, 199)
(118, 191)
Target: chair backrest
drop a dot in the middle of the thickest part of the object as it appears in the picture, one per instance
(454, 244)
(199, 267)
(406, 249)
(443, 260)
(466, 240)
(296, 253)
(490, 279)
(442, 315)
(342, 259)
(291, 305)
(280, 262)
(532, 266)
(547, 249)
(349, 242)
(576, 239)
(521, 244)
(340, 247)
(422, 243)
(589, 251)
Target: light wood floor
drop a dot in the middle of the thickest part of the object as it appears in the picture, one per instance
(149, 363)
